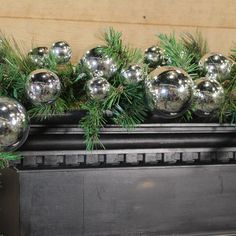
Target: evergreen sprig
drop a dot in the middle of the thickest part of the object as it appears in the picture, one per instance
(177, 53)
(92, 123)
(131, 109)
(125, 100)
(227, 111)
(14, 71)
(195, 45)
(6, 157)
(122, 54)
(185, 53)
(233, 52)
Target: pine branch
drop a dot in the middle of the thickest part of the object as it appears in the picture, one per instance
(187, 116)
(13, 76)
(131, 108)
(227, 111)
(125, 100)
(233, 52)
(5, 157)
(91, 123)
(43, 111)
(178, 54)
(13, 56)
(195, 45)
(122, 54)
(13, 63)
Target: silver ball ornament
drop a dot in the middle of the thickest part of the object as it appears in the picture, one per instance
(98, 88)
(169, 91)
(61, 51)
(208, 96)
(43, 86)
(39, 56)
(216, 66)
(14, 124)
(99, 64)
(134, 73)
(154, 57)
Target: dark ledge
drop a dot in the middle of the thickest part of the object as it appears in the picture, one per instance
(53, 144)
(160, 185)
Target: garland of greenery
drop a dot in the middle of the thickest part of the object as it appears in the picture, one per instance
(125, 100)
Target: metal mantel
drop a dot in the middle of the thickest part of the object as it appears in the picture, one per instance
(159, 183)
(146, 144)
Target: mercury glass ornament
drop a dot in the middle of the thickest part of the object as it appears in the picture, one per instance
(43, 86)
(14, 124)
(98, 88)
(216, 66)
(169, 91)
(134, 73)
(208, 95)
(154, 57)
(99, 64)
(61, 51)
(39, 56)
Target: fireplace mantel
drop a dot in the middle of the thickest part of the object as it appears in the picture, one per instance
(157, 179)
(155, 144)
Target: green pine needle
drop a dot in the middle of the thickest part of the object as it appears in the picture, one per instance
(14, 71)
(177, 53)
(122, 54)
(44, 111)
(91, 123)
(6, 157)
(227, 109)
(195, 45)
(125, 100)
(233, 52)
(131, 108)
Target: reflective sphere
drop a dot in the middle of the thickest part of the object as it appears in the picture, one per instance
(169, 91)
(133, 73)
(216, 65)
(99, 64)
(61, 51)
(98, 88)
(39, 56)
(154, 57)
(14, 124)
(208, 95)
(43, 86)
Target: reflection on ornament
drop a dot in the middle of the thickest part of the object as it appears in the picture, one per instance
(216, 66)
(133, 73)
(43, 86)
(39, 56)
(208, 96)
(169, 91)
(154, 57)
(99, 64)
(98, 88)
(61, 51)
(14, 124)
